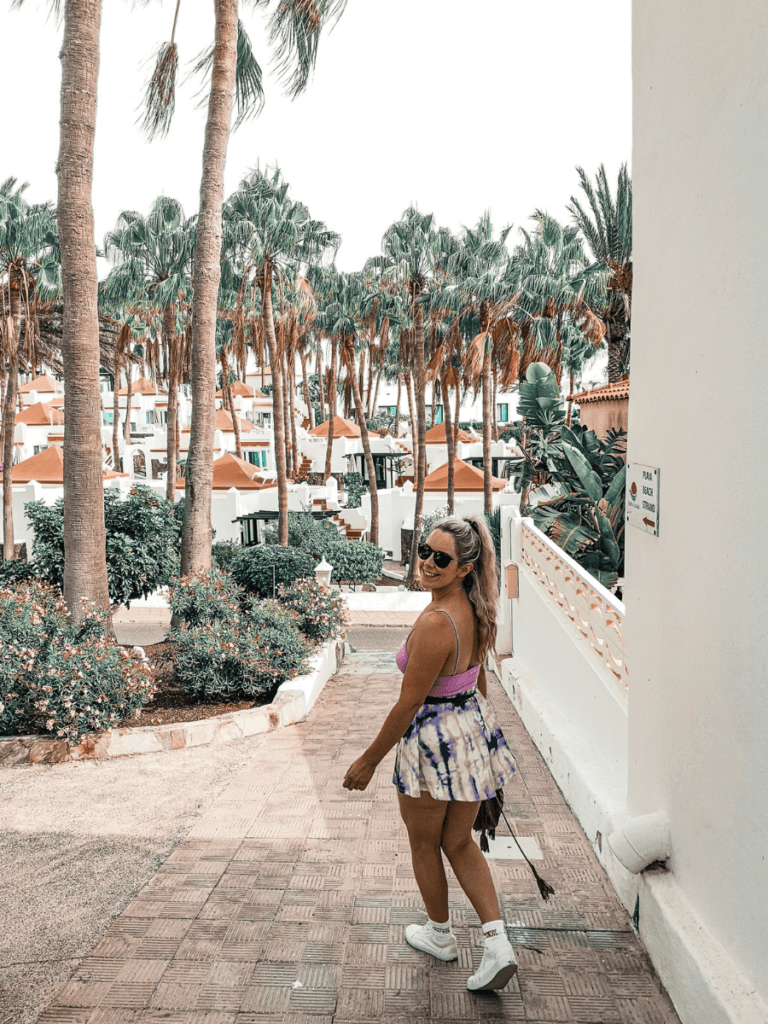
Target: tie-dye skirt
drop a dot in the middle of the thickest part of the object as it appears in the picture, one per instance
(454, 750)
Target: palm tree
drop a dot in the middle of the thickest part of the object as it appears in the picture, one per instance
(608, 232)
(153, 257)
(28, 267)
(274, 236)
(410, 252)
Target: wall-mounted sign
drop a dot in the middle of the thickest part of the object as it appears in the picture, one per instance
(643, 497)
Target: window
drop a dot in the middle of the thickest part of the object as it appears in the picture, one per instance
(502, 413)
(264, 459)
(108, 417)
(387, 410)
(438, 414)
(39, 448)
(253, 458)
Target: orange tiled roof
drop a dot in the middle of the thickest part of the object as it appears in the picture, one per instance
(437, 435)
(47, 467)
(607, 393)
(142, 386)
(41, 384)
(239, 387)
(465, 478)
(40, 415)
(341, 428)
(229, 471)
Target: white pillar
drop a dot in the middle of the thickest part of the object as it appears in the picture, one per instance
(697, 602)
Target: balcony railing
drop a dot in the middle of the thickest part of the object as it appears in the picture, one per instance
(595, 614)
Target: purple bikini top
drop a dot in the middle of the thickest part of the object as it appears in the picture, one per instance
(445, 686)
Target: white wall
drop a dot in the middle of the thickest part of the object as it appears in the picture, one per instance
(697, 602)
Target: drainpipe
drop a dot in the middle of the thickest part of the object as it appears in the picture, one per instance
(641, 841)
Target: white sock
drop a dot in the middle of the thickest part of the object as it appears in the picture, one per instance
(491, 929)
(442, 929)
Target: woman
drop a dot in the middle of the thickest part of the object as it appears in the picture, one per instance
(451, 753)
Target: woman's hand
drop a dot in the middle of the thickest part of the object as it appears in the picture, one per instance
(359, 773)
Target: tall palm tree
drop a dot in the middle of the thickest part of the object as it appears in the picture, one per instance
(410, 252)
(607, 227)
(153, 257)
(274, 235)
(28, 267)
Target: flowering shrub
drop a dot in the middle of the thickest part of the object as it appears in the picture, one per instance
(16, 572)
(241, 656)
(319, 610)
(261, 570)
(61, 677)
(204, 597)
(223, 553)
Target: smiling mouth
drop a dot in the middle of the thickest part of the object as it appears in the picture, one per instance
(426, 572)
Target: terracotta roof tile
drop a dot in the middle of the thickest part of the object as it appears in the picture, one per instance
(47, 467)
(465, 478)
(229, 471)
(436, 435)
(40, 415)
(607, 393)
(41, 384)
(142, 386)
(341, 428)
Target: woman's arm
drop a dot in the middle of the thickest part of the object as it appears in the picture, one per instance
(431, 642)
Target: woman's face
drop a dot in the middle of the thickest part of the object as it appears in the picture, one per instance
(431, 576)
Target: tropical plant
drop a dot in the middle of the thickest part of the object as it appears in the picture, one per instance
(142, 536)
(354, 488)
(320, 610)
(585, 514)
(607, 228)
(305, 532)
(223, 554)
(272, 235)
(206, 596)
(153, 257)
(541, 404)
(62, 677)
(28, 269)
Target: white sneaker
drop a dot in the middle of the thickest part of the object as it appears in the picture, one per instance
(497, 967)
(429, 940)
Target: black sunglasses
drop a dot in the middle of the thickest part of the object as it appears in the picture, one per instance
(441, 559)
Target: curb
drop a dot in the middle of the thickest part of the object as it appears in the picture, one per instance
(293, 702)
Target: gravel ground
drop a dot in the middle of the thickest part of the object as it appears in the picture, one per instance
(377, 638)
(77, 841)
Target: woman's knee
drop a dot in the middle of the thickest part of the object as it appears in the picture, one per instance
(456, 845)
(424, 845)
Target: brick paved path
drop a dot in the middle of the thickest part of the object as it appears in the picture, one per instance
(288, 901)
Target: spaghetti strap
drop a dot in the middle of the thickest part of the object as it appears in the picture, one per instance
(458, 642)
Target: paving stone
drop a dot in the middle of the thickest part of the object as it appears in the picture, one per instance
(288, 900)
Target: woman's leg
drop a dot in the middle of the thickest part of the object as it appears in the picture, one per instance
(424, 817)
(466, 859)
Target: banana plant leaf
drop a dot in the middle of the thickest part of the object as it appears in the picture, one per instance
(590, 481)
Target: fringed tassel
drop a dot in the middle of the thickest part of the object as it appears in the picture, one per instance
(545, 889)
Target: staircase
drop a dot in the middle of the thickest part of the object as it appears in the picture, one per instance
(304, 468)
(348, 531)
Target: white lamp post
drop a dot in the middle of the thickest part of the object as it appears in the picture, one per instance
(323, 572)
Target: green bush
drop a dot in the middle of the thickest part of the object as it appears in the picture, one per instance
(243, 656)
(305, 532)
(17, 572)
(260, 570)
(142, 542)
(355, 561)
(224, 553)
(204, 597)
(320, 610)
(355, 488)
(61, 677)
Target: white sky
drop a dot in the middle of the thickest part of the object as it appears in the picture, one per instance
(451, 105)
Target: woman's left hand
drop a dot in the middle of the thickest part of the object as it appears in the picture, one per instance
(359, 773)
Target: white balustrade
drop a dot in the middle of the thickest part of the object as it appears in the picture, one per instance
(596, 615)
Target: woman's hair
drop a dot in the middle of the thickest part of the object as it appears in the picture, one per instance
(474, 544)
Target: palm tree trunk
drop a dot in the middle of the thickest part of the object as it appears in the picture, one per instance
(290, 385)
(85, 563)
(305, 388)
(277, 403)
(451, 442)
(128, 397)
(570, 402)
(414, 427)
(397, 403)
(367, 450)
(286, 415)
(487, 476)
(614, 343)
(320, 384)
(196, 544)
(495, 388)
(421, 466)
(369, 403)
(169, 331)
(376, 393)
(361, 368)
(117, 464)
(9, 415)
(331, 409)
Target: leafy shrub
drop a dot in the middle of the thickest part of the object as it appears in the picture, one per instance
(429, 521)
(319, 610)
(305, 532)
(355, 561)
(61, 677)
(244, 655)
(355, 488)
(204, 597)
(261, 570)
(224, 553)
(17, 572)
(142, 542)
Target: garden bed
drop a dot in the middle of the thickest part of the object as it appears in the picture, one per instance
(291, 704)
